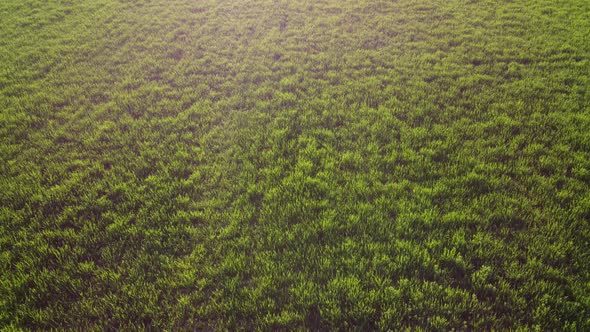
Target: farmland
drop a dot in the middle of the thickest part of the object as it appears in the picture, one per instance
(274, 164)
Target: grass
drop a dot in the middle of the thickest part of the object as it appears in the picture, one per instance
(254, 164)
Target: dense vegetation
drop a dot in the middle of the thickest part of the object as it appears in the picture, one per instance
(259, 164)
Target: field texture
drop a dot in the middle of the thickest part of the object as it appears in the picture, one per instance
(258, 164)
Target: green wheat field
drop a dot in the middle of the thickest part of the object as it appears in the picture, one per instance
(352, 165)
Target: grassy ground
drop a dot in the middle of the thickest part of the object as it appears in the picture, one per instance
(257, 164)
